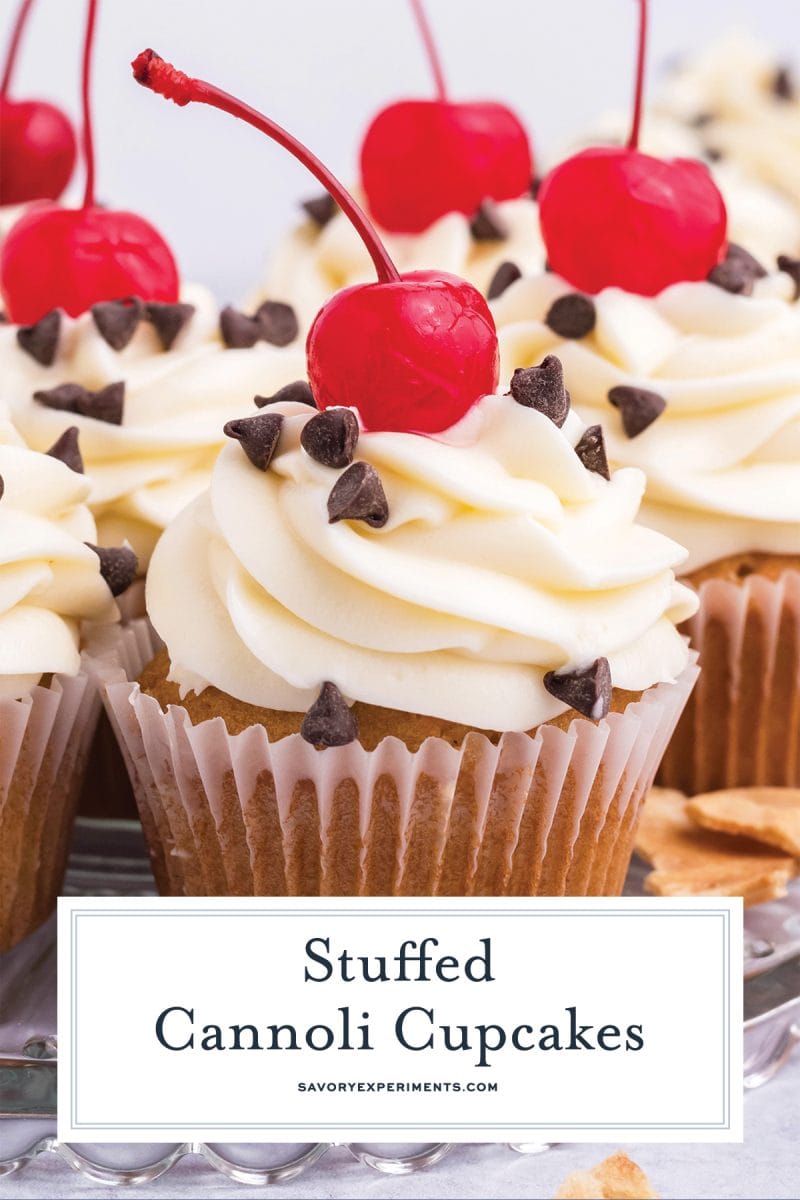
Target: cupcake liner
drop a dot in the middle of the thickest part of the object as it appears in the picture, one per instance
(44, 746)
(741, 727)
(550, 814)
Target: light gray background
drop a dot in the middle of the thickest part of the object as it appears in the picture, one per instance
(221, 194)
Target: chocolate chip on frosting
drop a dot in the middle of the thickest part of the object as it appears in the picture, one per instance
(542, 388)
(278, 322)
(591, 450)
(168, 320)
(298, 392)
(331, 437)
(488, 225)
(272, 322)
(118, 320)
(105, 405)
(701, 119)
(329, 721)
(638, 407)
(737, 272)
(41, 340)
(792, 268)
(66, 449)
(358, 495)
(2, 487)
(783, 87)
(258, 435)
(320, 208)
(572, 316)
(506, 274)
(536, 183)
(588, 691)
(118, 566)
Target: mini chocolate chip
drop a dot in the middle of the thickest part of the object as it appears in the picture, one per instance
(66, 449)
(41, 340)
(168, 320)
(2, 487)
(358, 495)
(3, 319)
(331, 437)
(259, 436)
(783, 84)
(701, 119)
(572, 316)
(105, 405)
(591, 450)
(737, 272)
(638, 407)
(792, 268)
(542, 388)
(320, 208)
(278, 322)
(587, 691)
(712, 154)
(488, 225)
(118, 320)
(506, 274)
(239, 332)
(298, 392)
(118, 566)
(329, 721)
(536, 183)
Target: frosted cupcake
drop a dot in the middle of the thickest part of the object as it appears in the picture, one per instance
(53, 581)
(448, 184)
(685, 350)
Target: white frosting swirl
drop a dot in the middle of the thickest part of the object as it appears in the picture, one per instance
(49, 579)
(310, 263)
(503, 558)
(723, 460)
(733, 84)
(145, 470)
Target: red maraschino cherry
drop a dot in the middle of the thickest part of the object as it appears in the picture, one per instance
(411, 352)
(421, 159)
(614, 217)
(37, 141)
(73, 258)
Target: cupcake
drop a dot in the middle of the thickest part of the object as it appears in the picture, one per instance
(415, 646)
(744, 105)
(53, 582)
(700, 387)
(449, 185)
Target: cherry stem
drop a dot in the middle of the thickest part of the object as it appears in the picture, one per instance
(13, 46)
(159, 76)
(633, 140)
(88, 135)
(423, 24)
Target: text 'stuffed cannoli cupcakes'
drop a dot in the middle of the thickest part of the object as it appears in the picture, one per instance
(687, 352)
(53, 580)
(415, 641)
(448, 183)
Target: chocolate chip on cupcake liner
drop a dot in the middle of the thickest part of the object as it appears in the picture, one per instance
(44, 747)
(741, 727)
(553, 813)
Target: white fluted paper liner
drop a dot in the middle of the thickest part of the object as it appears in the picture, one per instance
(44, 744)
(550, 814)
(741, 727)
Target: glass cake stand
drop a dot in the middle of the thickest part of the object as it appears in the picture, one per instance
(109, 859)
